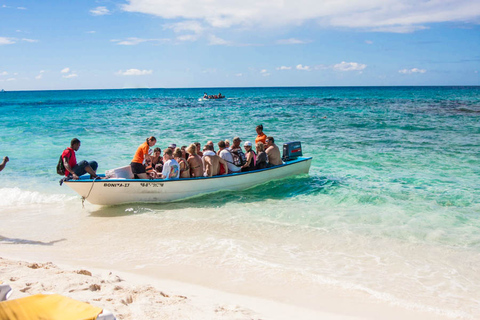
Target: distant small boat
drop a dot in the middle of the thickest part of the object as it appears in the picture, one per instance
(2, 90)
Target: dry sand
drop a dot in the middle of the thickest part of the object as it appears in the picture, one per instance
(132, 296)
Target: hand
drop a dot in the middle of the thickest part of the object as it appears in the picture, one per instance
(75, 177)
(5, 159)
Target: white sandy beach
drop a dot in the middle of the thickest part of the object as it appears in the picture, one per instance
(131, 296)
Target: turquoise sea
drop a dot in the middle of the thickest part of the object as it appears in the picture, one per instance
(390, 209)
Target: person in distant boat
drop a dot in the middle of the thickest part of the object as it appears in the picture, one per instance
(194, 161)
(171, 168)
(261, 156)
(157, 159)
(138, 169)
(213, 165)
(226, 155)
(251, 157)
(273, 153)
(199, 152)
(74, 169)
(205, 95)
(220, 96)
(261, 137)
(182, 162)
(4, 163)
(237, 150)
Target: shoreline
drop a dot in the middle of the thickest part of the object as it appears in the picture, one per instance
(133, 296)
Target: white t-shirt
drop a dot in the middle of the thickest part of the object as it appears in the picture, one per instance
(171, 169)
(227, 156)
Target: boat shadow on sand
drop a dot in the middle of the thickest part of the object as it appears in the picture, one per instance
(273, 190)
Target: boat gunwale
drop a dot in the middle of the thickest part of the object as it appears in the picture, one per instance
(292, 162)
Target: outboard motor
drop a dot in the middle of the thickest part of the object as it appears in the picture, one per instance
(292, 150)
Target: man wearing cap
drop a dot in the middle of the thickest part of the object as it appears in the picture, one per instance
(251, 157)
(273, 153)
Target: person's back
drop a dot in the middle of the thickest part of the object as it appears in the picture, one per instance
(184, 167)
(273, 153)
(261, 156)
(194, 161)
(228, 157)
(212, 163)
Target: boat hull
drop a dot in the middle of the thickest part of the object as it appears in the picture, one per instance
(121, 191)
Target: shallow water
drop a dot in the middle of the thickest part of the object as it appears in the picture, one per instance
(390, 208)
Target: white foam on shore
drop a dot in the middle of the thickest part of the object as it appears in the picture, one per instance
(17, 197)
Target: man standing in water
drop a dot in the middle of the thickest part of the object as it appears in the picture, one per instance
(74, 170)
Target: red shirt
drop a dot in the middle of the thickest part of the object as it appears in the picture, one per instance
(72, 160)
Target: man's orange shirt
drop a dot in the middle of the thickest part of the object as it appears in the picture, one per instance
(141, 152)
(261, 138)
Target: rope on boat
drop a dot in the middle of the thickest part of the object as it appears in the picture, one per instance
(85, 198)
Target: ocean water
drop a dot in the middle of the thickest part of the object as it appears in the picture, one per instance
(390, 208)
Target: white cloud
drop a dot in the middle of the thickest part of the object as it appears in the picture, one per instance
(284, 68)
(40, 75)
(187, 37)
(4, 40)
(135, 41)
(264, 72)
(29, 40)
(368, 41)
(65, 70)
(413, 70)
(71, 75)
(92, 31)
(100, 11)
(21, 8)
(216, 41)
(304, 68)
(3, 73)
(191, 26)
(11, 79)
(379, 15)
(134, 72)
(292, 41)
(349, 66)
(239, 75)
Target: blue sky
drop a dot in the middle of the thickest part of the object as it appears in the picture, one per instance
(48, 45)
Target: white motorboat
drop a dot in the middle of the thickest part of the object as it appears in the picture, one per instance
(120, 191)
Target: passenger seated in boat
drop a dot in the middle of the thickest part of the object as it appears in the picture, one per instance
(171, 168)
(261, 137)
(151, 172)
(213, 165)
(199, 152)
(251, 157)
(261, 156)
(205, 96)
(157, 160)
(194, 161)
(237, 151)
(211, 144)
(184, 152)
(74, 169)
(226, 155)
(227, 144)
(138, 169)
(273, 153)
(184, 167)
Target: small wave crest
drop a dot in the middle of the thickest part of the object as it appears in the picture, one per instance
(18, 197)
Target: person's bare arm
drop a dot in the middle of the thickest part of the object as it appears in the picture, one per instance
(68, 168)
(208, 167)
(4, 163)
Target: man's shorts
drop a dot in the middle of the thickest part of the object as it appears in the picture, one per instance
(79, 169)
(137, 168)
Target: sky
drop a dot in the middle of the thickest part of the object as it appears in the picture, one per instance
(58, 45)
